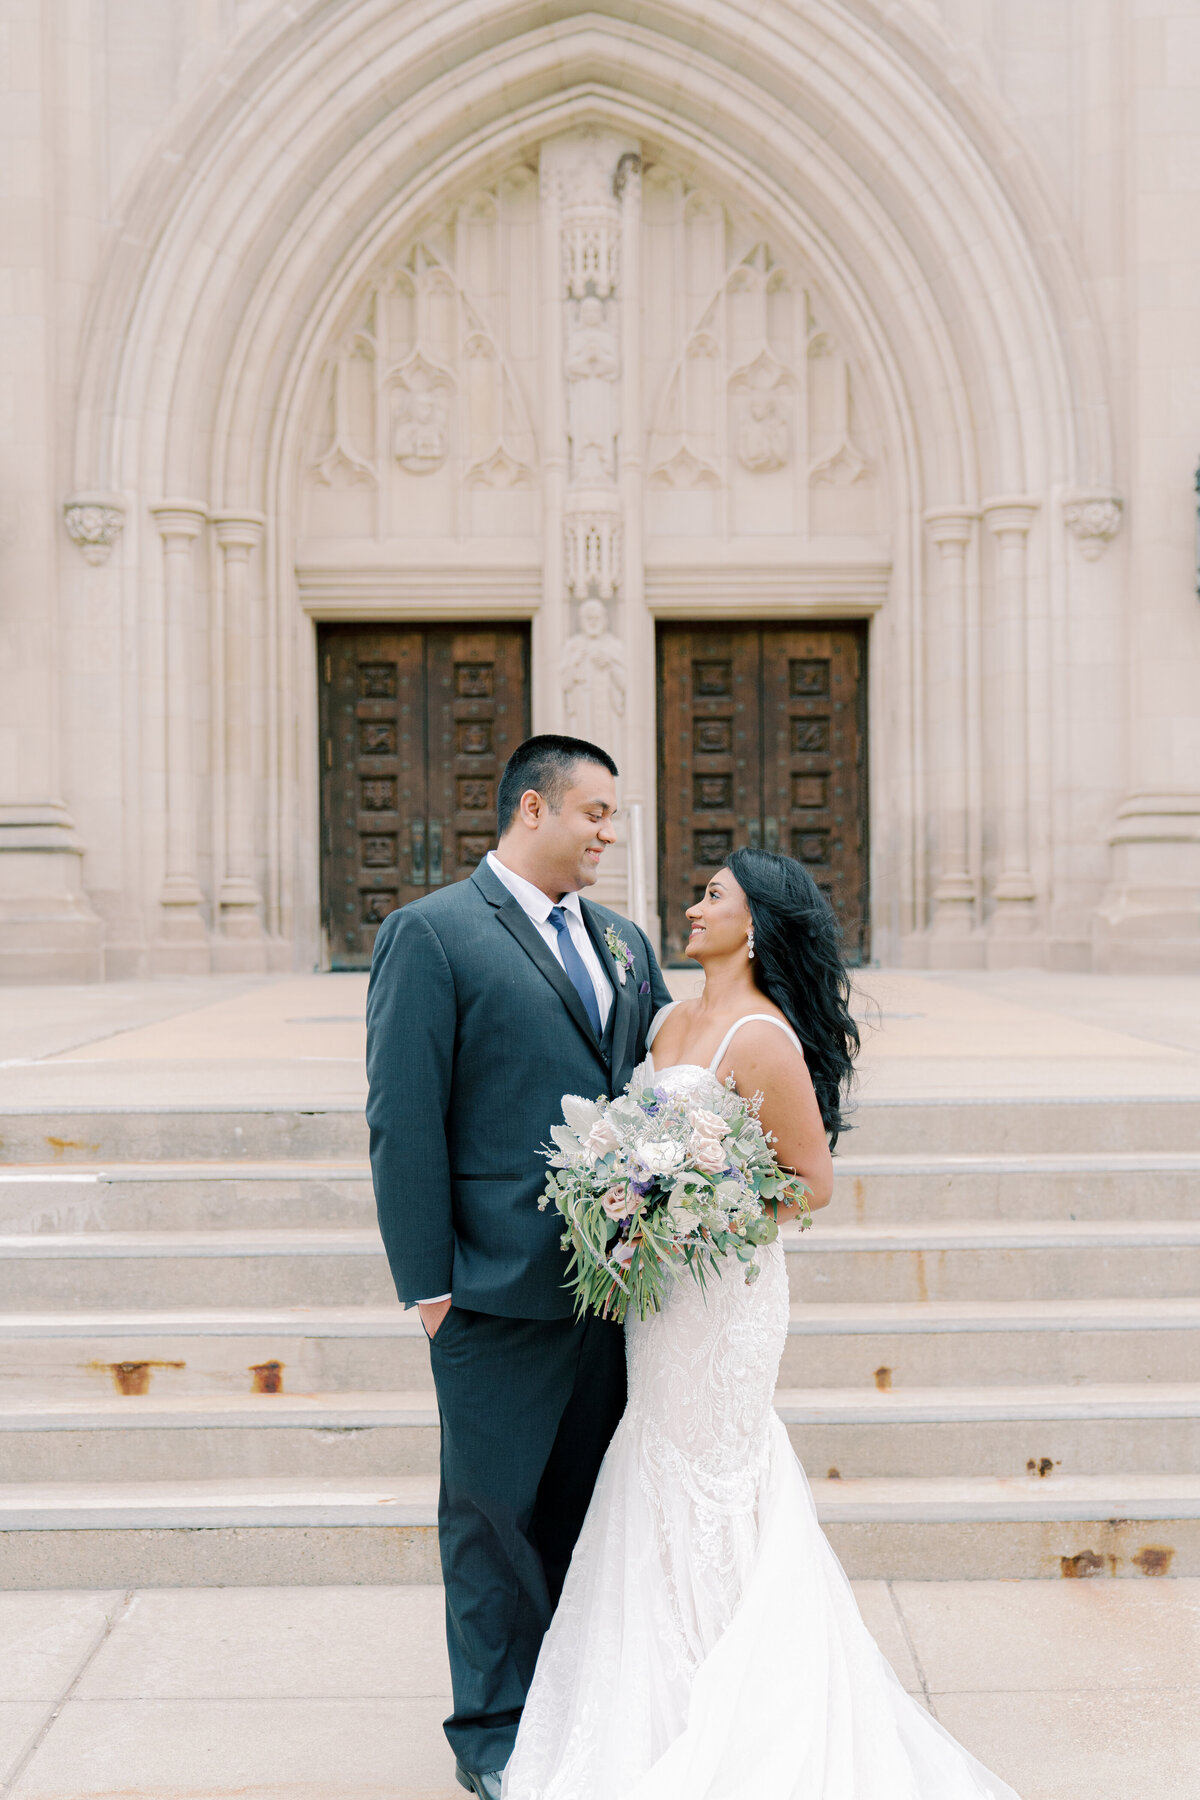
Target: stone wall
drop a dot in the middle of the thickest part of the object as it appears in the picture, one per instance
(595, 317)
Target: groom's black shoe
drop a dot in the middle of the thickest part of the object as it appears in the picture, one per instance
(486, 1786)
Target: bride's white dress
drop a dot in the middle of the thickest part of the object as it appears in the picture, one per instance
(707, 1645)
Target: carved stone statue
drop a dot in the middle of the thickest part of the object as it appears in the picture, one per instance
(762, 439)
(420, 436)
(593, 676)
(592, 366)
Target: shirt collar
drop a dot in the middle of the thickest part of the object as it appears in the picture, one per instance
(530, 898)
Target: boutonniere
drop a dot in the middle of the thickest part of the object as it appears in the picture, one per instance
(620, 952)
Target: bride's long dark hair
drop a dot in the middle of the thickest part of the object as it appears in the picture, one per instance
(798, 964)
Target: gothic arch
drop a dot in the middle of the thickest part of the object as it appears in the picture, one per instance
(325, 135)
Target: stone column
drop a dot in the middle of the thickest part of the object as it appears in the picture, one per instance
(954, 892)
(639, 769)
(181, 941)
(1013, 892)
(242, 943)
(48, 928)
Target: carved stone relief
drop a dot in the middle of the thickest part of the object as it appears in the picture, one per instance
(94, 523)
(840, 460)
(753, 422)
(753, 405)
(424, 399)
(591, 176)
(1093, 521)
(592, 367)
(421, 419)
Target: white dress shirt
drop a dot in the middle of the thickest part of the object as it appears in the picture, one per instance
(538, 906)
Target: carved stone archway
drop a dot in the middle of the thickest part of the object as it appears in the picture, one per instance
(329, 139)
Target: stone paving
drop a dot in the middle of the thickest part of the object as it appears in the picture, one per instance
(1024, 1033)
(1070, 1690)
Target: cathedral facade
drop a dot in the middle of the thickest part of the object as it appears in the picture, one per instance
(800, 400)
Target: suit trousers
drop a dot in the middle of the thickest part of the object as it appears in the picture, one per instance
(527, 1410)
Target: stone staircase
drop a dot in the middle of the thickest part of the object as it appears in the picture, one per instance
(993, 1367)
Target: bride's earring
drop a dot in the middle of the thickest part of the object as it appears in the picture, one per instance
(750, 943)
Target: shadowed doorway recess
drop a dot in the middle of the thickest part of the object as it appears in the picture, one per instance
(417, 722)
(762, 735)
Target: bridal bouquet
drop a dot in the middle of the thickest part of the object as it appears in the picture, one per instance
(651, 1182)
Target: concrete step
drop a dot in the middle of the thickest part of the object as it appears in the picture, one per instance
(194, 1196)
(1098, 1185)
(93, 1135)
(848, 1433)
(990, 1342)
(223, 1194)
(1022, 1127)
(830, 1344)
(973, 1259)
(333, 1531)
(216, 1350)
(341, 1266)
(87, 1136)
(345, 1265)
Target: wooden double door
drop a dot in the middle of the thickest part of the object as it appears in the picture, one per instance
(416, 722)
(762, 740)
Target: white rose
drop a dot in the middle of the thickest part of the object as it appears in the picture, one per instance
(707, 1124)
(660, 1156)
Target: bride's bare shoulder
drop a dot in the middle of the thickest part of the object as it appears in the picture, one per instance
(673, 1023)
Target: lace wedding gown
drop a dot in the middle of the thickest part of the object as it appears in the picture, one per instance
(707, 1645)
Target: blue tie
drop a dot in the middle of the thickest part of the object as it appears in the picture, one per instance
(581, 981)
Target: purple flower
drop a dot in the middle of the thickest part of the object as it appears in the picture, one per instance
(645, 988)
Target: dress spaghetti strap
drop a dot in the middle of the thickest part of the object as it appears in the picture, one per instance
(659, 1016)
(766, 1019)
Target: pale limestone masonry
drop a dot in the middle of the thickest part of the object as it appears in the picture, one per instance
(338, 309)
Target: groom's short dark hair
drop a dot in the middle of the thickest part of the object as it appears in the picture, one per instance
(546, 764)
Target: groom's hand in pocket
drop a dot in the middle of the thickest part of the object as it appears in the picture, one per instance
(432, 1313)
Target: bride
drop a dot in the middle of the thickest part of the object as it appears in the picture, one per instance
(707, 1645)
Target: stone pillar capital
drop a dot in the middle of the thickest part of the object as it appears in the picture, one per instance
(180, 518)
(238, 530)
(1010, 513)
(950, 525)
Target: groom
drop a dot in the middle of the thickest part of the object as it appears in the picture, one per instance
(488, 1001)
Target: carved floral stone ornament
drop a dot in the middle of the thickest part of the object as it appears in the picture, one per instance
(94, 523)
(1094, 520)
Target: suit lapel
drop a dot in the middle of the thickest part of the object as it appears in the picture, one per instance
(624, 992)
(516, 920)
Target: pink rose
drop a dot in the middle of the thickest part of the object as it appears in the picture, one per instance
(601, 1138)
(707, 1155)
(707, 1124)
(616, 1201)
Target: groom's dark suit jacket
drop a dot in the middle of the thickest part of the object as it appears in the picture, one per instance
(474, 1034)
